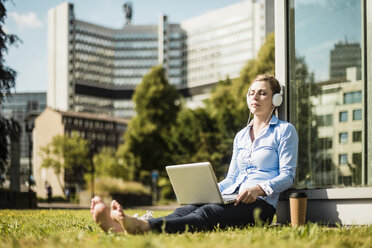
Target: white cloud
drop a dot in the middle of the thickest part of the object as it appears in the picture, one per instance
(28, 20)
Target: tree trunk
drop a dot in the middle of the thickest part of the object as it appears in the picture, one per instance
(15, 152)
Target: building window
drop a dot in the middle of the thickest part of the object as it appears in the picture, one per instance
(357, 115)
(357, 136)
(342, 138)
(324, 79)
(357, 167)
(325, 120)
(353, 97)
(342, 159)
(325, 143)
(343, 116)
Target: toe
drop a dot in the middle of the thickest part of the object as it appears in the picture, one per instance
(96, 199)
(116, 205)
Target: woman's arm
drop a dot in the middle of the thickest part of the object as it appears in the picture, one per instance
(287, 151)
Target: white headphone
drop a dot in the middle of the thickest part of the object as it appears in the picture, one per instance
(276, 100)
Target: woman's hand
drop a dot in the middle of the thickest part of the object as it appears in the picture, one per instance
(249, 195)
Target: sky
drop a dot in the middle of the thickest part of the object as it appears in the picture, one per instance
(320, 25)
(28, 20)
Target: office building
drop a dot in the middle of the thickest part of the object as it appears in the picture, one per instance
(93, 68)
(327, 98)
(19, 106)
(220, 42)
(345, 55)
(339, 125)
(100, 130)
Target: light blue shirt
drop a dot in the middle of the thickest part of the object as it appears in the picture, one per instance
(269, 161)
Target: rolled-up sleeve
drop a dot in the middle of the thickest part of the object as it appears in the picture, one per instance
(287, 152)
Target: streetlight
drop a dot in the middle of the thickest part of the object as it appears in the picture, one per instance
(29, 126)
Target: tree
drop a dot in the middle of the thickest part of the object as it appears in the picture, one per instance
(15, 150)
(7, 83)
(9, 128)
(146, 142)
(3, 145)
(67, 154)
(195, 138)
(222, 107)
(106, 163)
(303, 88)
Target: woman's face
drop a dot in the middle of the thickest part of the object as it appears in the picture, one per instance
(260, 99)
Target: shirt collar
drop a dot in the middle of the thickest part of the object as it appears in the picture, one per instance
(274, 120)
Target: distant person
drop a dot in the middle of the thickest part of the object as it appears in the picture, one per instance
(263, 165)
(49, 191)
(32, 181)
(67, 193)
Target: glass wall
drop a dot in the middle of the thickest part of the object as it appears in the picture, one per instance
(326, 89)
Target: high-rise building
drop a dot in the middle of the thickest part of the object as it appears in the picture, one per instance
(343, 56)
(19, 106)
(339, 117)
(95, 69)
(220, 42)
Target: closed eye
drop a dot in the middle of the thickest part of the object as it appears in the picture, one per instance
(261, 92)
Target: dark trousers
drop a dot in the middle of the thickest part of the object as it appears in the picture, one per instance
(209, 216)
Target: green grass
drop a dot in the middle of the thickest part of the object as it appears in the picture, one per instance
(75, 228)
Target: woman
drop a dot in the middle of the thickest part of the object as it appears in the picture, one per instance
(263, 164)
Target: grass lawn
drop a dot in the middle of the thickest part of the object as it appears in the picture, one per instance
(75, 228)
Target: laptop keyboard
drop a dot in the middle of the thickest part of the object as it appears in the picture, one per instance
(229, 198)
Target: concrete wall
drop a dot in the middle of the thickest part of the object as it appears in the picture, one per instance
(346, 206)
(58, 57)
(47, 125)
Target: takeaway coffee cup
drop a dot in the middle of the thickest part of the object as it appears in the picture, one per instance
(298, 202)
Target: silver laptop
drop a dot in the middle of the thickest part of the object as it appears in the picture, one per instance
(196, 184)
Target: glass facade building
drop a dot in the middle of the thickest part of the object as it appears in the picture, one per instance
(220, 42)
(323, 57)
(19, 106)
(93, 68)
(325, 81)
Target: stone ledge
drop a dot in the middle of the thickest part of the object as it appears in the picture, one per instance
(333, 193)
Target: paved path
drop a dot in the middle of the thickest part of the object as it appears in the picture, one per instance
(63, 205)
(59, 205)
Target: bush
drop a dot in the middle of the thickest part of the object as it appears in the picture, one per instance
(166, 190)
(54, 199)
(109, 186)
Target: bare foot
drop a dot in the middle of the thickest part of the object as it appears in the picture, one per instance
(131, 224)
(101, 215)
